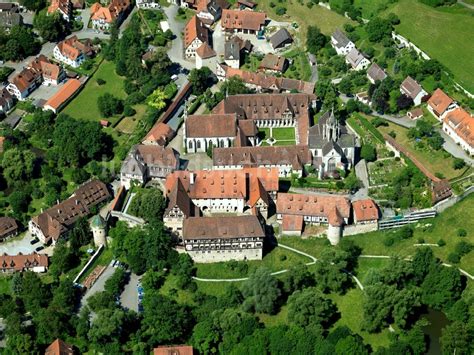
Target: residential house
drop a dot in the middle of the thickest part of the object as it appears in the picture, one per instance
(363, 97)
(413, 90)
(416, 113)
(356, 60)
(331, 210)
(218, 239)
(19, 263)
(173, 350)
(195, 34)
(439, 104)
(59, 347)
(148, 4)
(148, 162)
(248, 22)
(205, 57)
(341, 43)
(10, 19)
(160, 134)
(234, 50)
(227, 191)
(273, 63)
(102, 16)
(6, 100)
(376, 73)
(73, 52)
(51, 74)
(365, 212)
(210, 12)
(281, 38)
(63, 7)
(56, 221)
(288, 159)
(261, 82)
(459, 125)
(331, 145)
(56, 102)
(8, 228)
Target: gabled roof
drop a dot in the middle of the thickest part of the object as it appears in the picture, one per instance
(195, 28)
(354, 57)
(340, 38)
(292, 223)
(200, 126)
(173, 350)
(205, 51)
(19, 262)
(242, 20)
(280, 37)
(72, 48)
(462, 123)
(160, 134)
(365, 210)
(111, 12)
(59, 347)
(273, 62)
(222, 227)
(63, 94)
(439, 102)
(376, 73)
(179, 197)
(7, 225)
(410, 87)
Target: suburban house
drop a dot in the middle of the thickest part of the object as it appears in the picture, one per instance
(203, 132)
(160, 134)
(103, 16)
(416, 113)
(205, 57)
(413, 90)
(56, 102)
(73, 52)
(363, 97)
(459, 125)
(376, 73)
(341, 43)
(63, 7)
(56, 221)
(148, 162)
(217, 239)
(248, 22)
(8, 228)
(28, 262)
(261, 82)
(234, 50)
(40, 70)
(173, 350)
(331, 145)
(356, 60)
(440, 103)
(59, 347)
(273, 63)
(331, 210)
(365, 212)
(227, 191)
(288, 159)
(195, 34)
(148, 4)
(281, 38)
(9, 20)
(6, 100)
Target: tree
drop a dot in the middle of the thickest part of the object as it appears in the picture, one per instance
(330, 271)
(234, 86)
(458, 163)
(148, 204)
(33, 5)
(109, 105)
(309, 308)
(62, 260)
(441, 287)
(368, 152)
(315, 40)
(378, 29)
(18, 165)
(201, 79)
(107, 327)
(261, 291)
(297, 278)
(51, 27)
(457, 338)
(345, 86)
(157, 99)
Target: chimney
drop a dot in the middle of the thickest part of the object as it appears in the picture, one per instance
(191, 178)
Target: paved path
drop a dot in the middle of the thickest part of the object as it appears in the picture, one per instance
(362, 174)
(129, 296)
(460, 2)
(176, 51)
(314, 68)
(98, 286)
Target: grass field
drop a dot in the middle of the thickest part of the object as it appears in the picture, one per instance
(370, 8)
(128, 124)
(326, 20)
(429, 27)
(300, 68)
(84, 106)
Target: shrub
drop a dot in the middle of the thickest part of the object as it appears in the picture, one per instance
(421, 240)
(406, 232)
(100, 81)
(462, 232)
(463, 248)
(458, 164)
(129, 111)
(441, 243)
(282, 257)
(454, 258)
(280, 10)
(389, 241)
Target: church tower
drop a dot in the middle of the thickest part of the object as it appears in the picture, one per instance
(332, 131)
(99, 231)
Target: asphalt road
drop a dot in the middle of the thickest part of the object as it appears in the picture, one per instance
(129, 296)
(98, 286)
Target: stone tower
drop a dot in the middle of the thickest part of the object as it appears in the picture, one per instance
(99, 231)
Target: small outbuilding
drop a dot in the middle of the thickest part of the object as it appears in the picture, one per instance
(281, 38)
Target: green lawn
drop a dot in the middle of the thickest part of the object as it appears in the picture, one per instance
(5, 284)
(172, 290)
(300, 68)
(277, 259)
(287, 133)
(430, 27)
(84, 106)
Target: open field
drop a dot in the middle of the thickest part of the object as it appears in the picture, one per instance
(429, 27)
(84, 106)
(370, 8)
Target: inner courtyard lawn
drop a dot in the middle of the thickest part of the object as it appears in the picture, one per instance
(84, 106)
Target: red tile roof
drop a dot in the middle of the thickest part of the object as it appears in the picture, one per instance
(365, 210)
(173, 350)
(195, 28)
(68, 89)
(160, 134)
(292, 223)
(439, 102)
(462, 123)
(59, 347)
(222, 227)
(198, 126)
(242, 20)
(111, 12)
(22, 262)
(205, 51)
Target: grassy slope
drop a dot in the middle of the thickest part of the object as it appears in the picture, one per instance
(84, 106)
(444, 34)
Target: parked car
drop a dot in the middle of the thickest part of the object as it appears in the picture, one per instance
(39, 248)
(34, 241)
(174, 77)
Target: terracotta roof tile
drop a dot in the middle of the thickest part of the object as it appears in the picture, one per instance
(222, 227)
(439, 102)
(20, 262)
(68, 89)
(195, 28)
(242, 20)
(365, 210)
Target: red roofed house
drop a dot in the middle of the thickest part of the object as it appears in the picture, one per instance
(330, 210)
(249, 22)
(103, 16)
(58, 100)
(64, 7)
(160, 134)
(195, 34)
(29, 262)
(440, 103)
(59, 347)
(365, 212)
(459, 125)
(205, 57)
(174, 350)
(73, 52)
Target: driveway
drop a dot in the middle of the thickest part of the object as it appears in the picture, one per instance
(176, 51)
(129, 296)
(19, 244)
(98, 286)
(361, 173)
